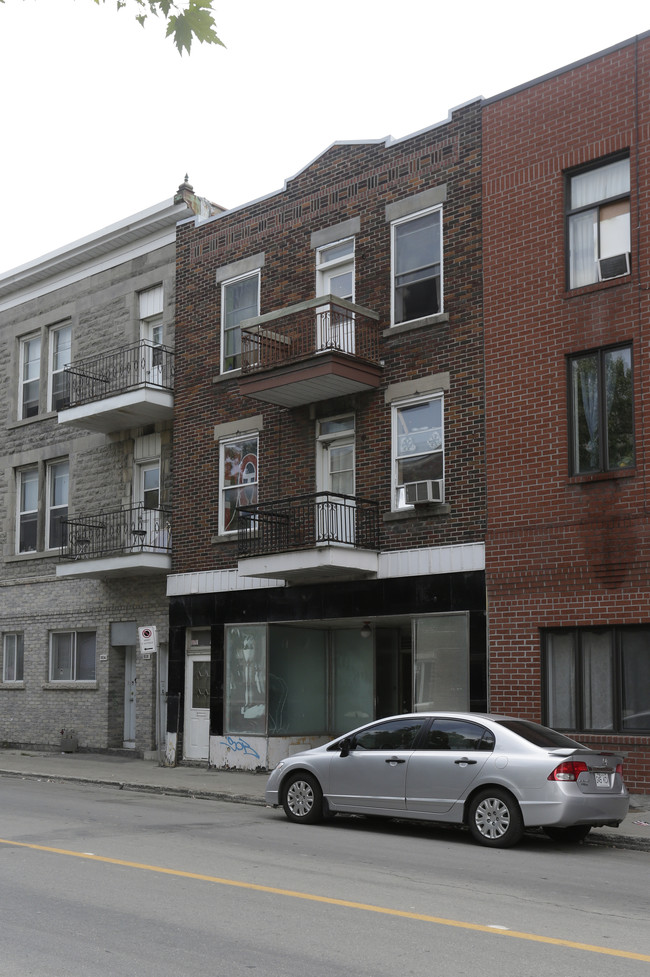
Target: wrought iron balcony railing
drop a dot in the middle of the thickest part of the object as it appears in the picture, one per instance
(322, 325)
(120, 532)
(306, 521)
(117, 371)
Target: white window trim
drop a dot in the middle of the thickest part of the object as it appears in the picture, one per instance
(20, 511)
(24, 340)
(396, 406)
(52, 371)
(255, 273)
(73, 679)
(14, 652)
(244, 436)
(49, 506)
(405, 220)
(325, 266)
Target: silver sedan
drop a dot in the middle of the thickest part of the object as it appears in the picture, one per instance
(498, 776)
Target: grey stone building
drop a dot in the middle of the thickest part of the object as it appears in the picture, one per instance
(86, 400)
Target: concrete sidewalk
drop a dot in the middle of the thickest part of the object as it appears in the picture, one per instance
(125, 772)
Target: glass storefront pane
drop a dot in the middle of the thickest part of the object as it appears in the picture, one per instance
(635, 661)
(297, 681)
(246, 679)
(441, 662)
(353, 680)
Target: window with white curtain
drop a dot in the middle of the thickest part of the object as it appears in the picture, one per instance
(598, 223)
(601, 411)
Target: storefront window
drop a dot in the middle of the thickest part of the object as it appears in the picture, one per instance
(441, 662)
(297, 681)
(246, 679)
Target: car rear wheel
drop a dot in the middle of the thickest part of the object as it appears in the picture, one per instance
(570, 835)
(495, 819)
(303, 799)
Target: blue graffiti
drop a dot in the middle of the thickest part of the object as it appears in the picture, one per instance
(240, 746)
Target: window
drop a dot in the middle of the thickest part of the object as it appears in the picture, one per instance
(57, 509)
(60, 356)
(601, 411)
(30, 376)
(72, 656)
(41, 514)
(238, 470)
(240, 300)
(13, 658)
(597, 678)
(418, 450)
(395, 735)
(598, 219)
(417, 266)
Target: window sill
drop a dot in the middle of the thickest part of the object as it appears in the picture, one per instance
(32, 555)
(218, 540)
(14, 686)
(429, 320)
(418, 512)
(600, 476)
(572, 293)
(229, 375)
(70, 686)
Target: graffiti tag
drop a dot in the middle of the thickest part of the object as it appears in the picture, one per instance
(240, 746)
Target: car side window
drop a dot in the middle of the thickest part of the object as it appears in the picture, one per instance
(399, 734)
(458, 734)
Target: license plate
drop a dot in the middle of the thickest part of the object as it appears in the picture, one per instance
(602, 780)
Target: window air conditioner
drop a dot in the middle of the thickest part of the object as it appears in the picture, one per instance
(613, 266)
(427, 491)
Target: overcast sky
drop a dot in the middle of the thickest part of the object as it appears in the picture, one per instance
(102, 118)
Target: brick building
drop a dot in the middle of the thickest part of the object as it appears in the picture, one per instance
(86, 397)
(329, 493)
(566, 263)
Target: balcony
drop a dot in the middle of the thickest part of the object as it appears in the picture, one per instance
(127, 387)
(312, 538)
(322, 348)
(127, 542)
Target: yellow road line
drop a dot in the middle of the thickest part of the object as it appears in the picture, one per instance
(310, 897)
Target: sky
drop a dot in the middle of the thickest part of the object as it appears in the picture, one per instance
(102, 118)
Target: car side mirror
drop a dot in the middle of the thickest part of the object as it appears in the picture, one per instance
(346, 746)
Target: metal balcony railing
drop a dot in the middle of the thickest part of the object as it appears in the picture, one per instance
(306, 521)
(321, 325)
(119, 532)
(117, 371)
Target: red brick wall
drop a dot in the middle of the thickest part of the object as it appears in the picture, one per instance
(561, 551)
(346, 181)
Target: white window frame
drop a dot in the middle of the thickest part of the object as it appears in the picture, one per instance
(398, 494)
(74, 656)
(25, 360)
(393, 233)
(53, 508)
(223, 488)
(56, 366)
(225, 285)
(592, 214)
(13, 658)
(24, 514)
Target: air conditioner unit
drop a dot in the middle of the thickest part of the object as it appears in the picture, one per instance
(417, 493)
(613, 266)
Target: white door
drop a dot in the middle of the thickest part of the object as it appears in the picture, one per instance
(335, 517)
(335, 276)
(196, 730)
(129, 699)
(151, 531)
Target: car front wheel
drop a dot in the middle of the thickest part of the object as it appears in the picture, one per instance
(495, 819)
(303, 799)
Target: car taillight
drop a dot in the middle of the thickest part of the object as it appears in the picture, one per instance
(619, 769)
(569, 770)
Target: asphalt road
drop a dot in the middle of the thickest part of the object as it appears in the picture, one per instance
(103, 882)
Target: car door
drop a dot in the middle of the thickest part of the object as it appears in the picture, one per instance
(450, 757)
(372, 777)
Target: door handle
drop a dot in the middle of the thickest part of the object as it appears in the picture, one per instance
(465, 760)
(394, 759)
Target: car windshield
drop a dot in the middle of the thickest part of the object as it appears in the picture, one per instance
(538, 735)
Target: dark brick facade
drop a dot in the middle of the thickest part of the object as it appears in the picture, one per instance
(563, 551)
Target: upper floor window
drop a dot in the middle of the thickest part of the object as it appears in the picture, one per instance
(417, 266)
(597, 678)
(601, 411)
(41, 515)
(240, 300)
(598, 218)
(13, 658)
(30, 376)
(60, 356)
(418, 452)
(238, 478)
(72, 656)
